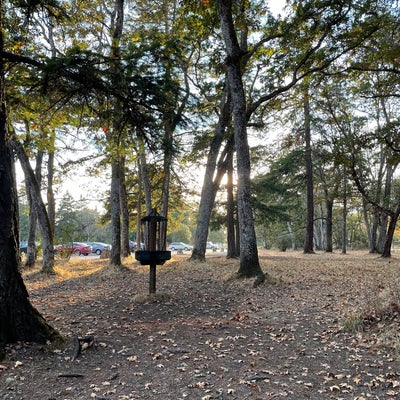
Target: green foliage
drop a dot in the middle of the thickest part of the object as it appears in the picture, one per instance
(170, 50)
(23, 221)
(76, 222)
(276, 193)
(181, 223)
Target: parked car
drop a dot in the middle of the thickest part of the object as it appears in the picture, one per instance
(75, 248)
(98, 247)
(211, 246)
(180, 246)
(133, 246)
(23, 247)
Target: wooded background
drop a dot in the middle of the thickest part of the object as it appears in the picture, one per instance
(155, 93)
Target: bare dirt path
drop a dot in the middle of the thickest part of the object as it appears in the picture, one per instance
(207, 337)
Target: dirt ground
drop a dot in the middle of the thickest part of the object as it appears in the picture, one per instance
(323, 326)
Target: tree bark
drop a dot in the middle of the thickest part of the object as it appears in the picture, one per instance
(249, 261)
(344, 216)
(51, 203)
(368, 227)
(292, 235)
(172, 116)
(309, 240)
(210, 186)
(31, 245)
(139, 210)
(115, 254)
(19, 320)
(329, 225)
(168, 157)
(125, 251)
(43, 219)
(145, 181)
(233, 250)
(386, 253)
(115, 138)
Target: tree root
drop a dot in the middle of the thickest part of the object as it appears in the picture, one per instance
(81, 344)
(259, 280)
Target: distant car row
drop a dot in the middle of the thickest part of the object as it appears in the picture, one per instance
(86, 248)
(186, 247)
(83, 248)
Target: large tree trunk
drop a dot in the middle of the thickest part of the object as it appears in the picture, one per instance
(386, 253)
(19, 321)
(309, 240)
(393, 218)
(249, 261)
(383, 226)
(115, 138)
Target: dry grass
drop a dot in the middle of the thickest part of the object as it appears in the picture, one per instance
(367, 287)
(322, 326)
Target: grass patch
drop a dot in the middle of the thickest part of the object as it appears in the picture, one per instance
(353, 324)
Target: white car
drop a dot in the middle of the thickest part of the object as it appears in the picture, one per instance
(180, 246)
(212, 246)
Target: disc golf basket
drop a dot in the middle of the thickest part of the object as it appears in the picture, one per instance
(154, 253)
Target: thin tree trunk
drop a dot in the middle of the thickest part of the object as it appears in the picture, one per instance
(292, 235)
(368, 227)
(51, 202)
(344, 218)
(115, 254)
(329, 226)
(309, 240)
(144, 177)
(139, 210)
(374, 248)
(31, 245)
(210, 185)
(31, 248)
(125, 251)
(168, 156)
(172, 118)
(43, 219)
(233, 251)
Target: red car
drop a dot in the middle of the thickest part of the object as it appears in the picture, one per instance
(75, 248)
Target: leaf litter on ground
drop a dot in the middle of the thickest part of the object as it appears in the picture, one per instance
(323, 326)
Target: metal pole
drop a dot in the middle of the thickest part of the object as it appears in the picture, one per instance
(152, 288)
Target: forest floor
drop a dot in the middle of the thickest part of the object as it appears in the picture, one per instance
(323, 326)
